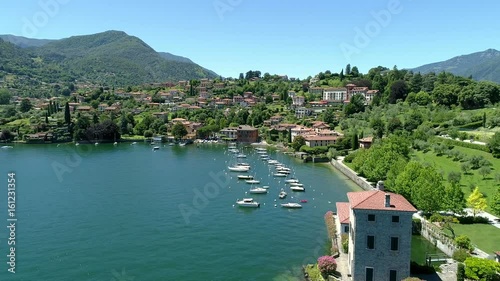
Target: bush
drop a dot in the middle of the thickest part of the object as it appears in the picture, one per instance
(463, 242)
(345, 243)
(466, 144)
(461, 255)
(460, 272)
(436, 217)
(327, 265)
(481, 269)
(350, 157)
(472, 220)
(416, 226)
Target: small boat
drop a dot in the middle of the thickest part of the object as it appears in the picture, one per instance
(279, 175)
(257, 190)
(264, 156)
(156, 148)
(265, 186)
(77, 144)
(296, 184)
(297, 188)
(260, 149)
(171, 144)
(291, 205)
(7, 147)
(182, 144)
(281, 168)
(262, 152)
(284, 172)
(134, 143)
(292, 180)
(241, 156)
(96, 143)
(303, 201)
(245, 177)
(252, 181)
(238, 169)
(115, 143)
(243, 165)
(282, 195)
(234, 150)
(247, 202)
(271, 161)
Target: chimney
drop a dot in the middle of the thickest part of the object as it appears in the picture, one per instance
(387, 200)
(380, 185)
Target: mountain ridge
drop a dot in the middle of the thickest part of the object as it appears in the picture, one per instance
(483, 65)
(111, 57)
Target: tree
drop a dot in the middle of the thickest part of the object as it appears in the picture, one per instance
(465, 167)
(10, 112)
(95, 118)
(454, 177)
(46, 118)
(67, 114)
(348, 69)
(398, 90)
(476, 201)
(25, 105)
(494, 145)
(481, 269)
(454, 199)
(6, 135)
(327, 265)
(495, 202)
(378, 126)
(298, 142)
(179, 131)
(354, 140)
(484, 171)
(355, 105)
(5, 96)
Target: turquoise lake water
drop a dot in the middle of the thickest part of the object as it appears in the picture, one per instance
(126, 212)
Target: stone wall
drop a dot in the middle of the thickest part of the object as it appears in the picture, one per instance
(436, 237)
(363, 183)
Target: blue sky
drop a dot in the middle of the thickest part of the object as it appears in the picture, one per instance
(297, 38)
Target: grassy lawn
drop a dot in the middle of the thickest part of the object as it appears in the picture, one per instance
(487, 186)
(484, 236)
(134, 137)
(19, 122)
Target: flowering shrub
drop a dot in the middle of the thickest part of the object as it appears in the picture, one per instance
(327, 265)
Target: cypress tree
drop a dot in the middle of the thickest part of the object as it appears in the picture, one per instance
(46, 118)
(67, 114)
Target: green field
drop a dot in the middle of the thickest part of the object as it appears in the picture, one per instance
(487, 186)
(483, 236)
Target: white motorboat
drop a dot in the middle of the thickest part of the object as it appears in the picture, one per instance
(241, 156)
(234, 150)
(156, 148)
(265, 186)
(291, 205)
(252, 181)
(264, 156)
(238, 169)
(115, 143)
(281, 168)
(292, 180)
(271, 161)
(296, 184)
(245, 177)
(247, 202)
(260, 149)
(243, 165)
(262, 152)
(297, 188)
(257, 190)
(282, 195)
(284, 172)
(279, 175)
(7, 147)
(171, 144)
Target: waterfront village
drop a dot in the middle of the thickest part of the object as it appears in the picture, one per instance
(380, 138)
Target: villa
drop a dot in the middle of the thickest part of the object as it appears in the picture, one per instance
(379, 224)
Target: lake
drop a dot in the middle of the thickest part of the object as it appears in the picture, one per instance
(126, 212)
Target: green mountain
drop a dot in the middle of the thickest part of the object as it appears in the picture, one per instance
(481, 66)
(24, 42)
(169, 56)
(110, 57)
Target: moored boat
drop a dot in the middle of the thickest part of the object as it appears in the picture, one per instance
(282, 194)
(297, 188)
(241, 156)
(238, 169)
(245, 177)
(292, 180)
(296, 184)
(279, 175)
(258, 190)
(247, 202)
(156, 148)
(291, 205)
(252, 181)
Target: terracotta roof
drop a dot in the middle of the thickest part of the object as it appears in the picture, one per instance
(367, 139)
(375, 200)
(319, 138)
(343, 211)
